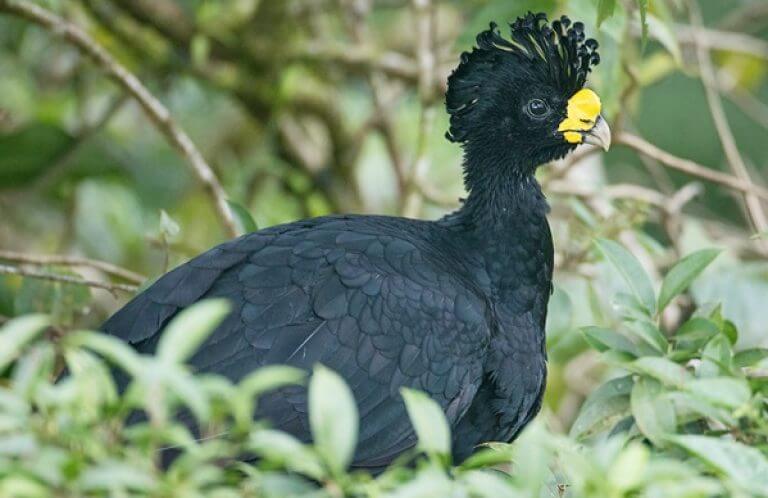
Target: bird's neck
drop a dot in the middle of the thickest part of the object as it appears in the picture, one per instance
(504, 219)
(501, 194)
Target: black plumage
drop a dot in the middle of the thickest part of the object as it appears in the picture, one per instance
(454, 307)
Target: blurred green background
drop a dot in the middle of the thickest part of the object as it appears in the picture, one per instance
(309, 107)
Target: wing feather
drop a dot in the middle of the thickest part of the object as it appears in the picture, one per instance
(376, 307)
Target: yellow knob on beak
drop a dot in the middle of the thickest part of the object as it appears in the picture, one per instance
(583, 122)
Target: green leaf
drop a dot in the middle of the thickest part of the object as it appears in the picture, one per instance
(654, 415)
(749, 357)
(258, 382)
(607, 340)
(628, 470)
(429, 422)
(18, 445)
(605, 406)
(245, 222)
(631, 271)
(15, 334)
(34, 368)
(95, 379)
(187, 390)
(695, 333)
(650, 334)
(116, 351)
(628, 307)
(271, 377)
(715, 313)
(683, 273)
(190, 328)
(716, 358)
(689, 408)
(18, 485)
(485, 485)
(282, 448)
(663, 31)
(429, 483)
(488, 457)
(662, 369)
(729, 392)
(605, 10)
(168, 226)
(746, 467)
(333, 418)
(730, 331)
(113, 475)
(28, 151)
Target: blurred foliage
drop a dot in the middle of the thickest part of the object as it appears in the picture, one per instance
(305, 107)
(681, 415)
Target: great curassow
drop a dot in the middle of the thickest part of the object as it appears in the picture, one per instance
(454, 307)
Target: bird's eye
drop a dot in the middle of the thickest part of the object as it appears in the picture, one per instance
(537, 108)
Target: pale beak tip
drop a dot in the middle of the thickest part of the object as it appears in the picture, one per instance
(599, 135)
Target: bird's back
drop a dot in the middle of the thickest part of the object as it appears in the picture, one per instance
(386, 302)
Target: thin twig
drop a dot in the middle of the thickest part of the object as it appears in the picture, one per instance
(58, 259)
(687, 166)
(713, 39)
(735, 161)
(67, 279)
(741, 18)
(155, 111)
(617, 191)
(750, 105)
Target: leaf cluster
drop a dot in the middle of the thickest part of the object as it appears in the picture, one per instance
(683, 416)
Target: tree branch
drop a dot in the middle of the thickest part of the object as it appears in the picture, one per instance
(360, 57)
(735, 161)
(67, 279)
(57, 259)
(154, 110)
(688, 166)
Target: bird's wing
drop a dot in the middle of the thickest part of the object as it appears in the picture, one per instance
(372, 307)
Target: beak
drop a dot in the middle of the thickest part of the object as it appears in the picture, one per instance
(599, 135)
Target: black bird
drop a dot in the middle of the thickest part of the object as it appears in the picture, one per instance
(454, 307)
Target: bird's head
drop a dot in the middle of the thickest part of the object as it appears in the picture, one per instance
(521, 101)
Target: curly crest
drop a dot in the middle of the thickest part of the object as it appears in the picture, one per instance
(567, 54)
